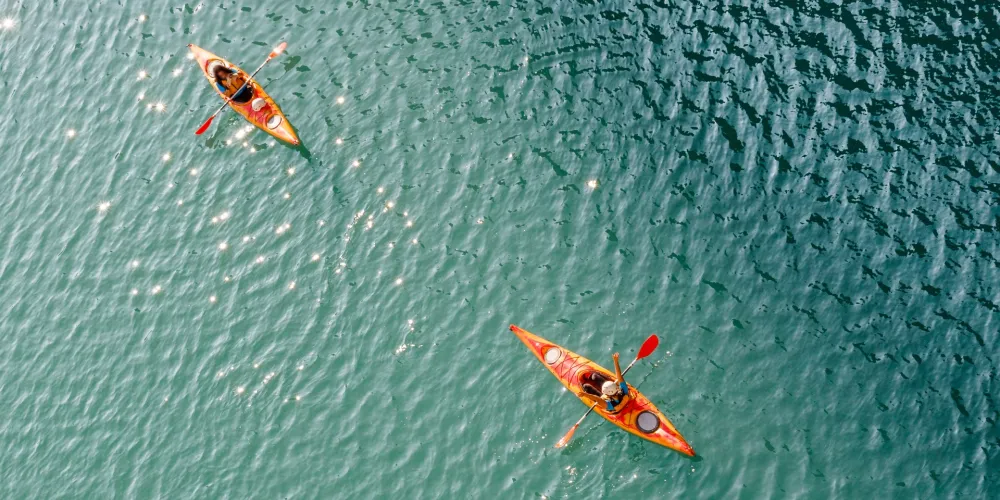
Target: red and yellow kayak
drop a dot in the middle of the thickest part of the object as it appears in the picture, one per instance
(581, 376)
(260, 110)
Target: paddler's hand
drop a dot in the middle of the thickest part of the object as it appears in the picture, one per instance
(618, 369)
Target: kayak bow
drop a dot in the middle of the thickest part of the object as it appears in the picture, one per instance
(581, 376)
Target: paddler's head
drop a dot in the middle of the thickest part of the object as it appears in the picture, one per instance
(610, 389)
(221, 72)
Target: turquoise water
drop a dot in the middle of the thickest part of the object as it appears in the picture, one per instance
(800, 198)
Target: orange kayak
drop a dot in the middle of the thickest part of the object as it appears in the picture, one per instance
(259, 109)
(583, 377)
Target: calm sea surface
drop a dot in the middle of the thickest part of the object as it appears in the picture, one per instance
(801, 198)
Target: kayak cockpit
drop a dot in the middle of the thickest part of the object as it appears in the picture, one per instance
(244, 95)
(591, 381)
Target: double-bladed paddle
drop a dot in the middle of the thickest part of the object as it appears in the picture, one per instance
(274, 53)
(647, 348)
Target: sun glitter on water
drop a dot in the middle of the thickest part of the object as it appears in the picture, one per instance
(224, 216)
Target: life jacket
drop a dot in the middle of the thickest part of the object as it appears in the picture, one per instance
(232, 82)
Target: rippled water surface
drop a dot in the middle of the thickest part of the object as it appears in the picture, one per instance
(800, 198)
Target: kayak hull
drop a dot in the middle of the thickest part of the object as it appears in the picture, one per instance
(260, 110)
(635, 414)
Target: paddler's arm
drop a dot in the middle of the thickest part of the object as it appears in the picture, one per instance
(618, 376)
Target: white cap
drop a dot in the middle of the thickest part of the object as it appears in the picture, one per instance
(610, 388)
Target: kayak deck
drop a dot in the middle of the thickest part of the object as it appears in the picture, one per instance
(260, 110)
(581, 376)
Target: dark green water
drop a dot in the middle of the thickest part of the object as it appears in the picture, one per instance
(800, 198)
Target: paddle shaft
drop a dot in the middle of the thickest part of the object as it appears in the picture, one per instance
(629, 367)
(578, 422)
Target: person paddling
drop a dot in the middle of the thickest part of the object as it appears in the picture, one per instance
(614, 392)
(229, 81)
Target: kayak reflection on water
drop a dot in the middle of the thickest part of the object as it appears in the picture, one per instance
(229, 80)
(600, 388)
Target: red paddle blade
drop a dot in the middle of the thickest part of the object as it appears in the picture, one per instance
(204, 126)
(278, 50)
(565, 439)
(648, 346)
